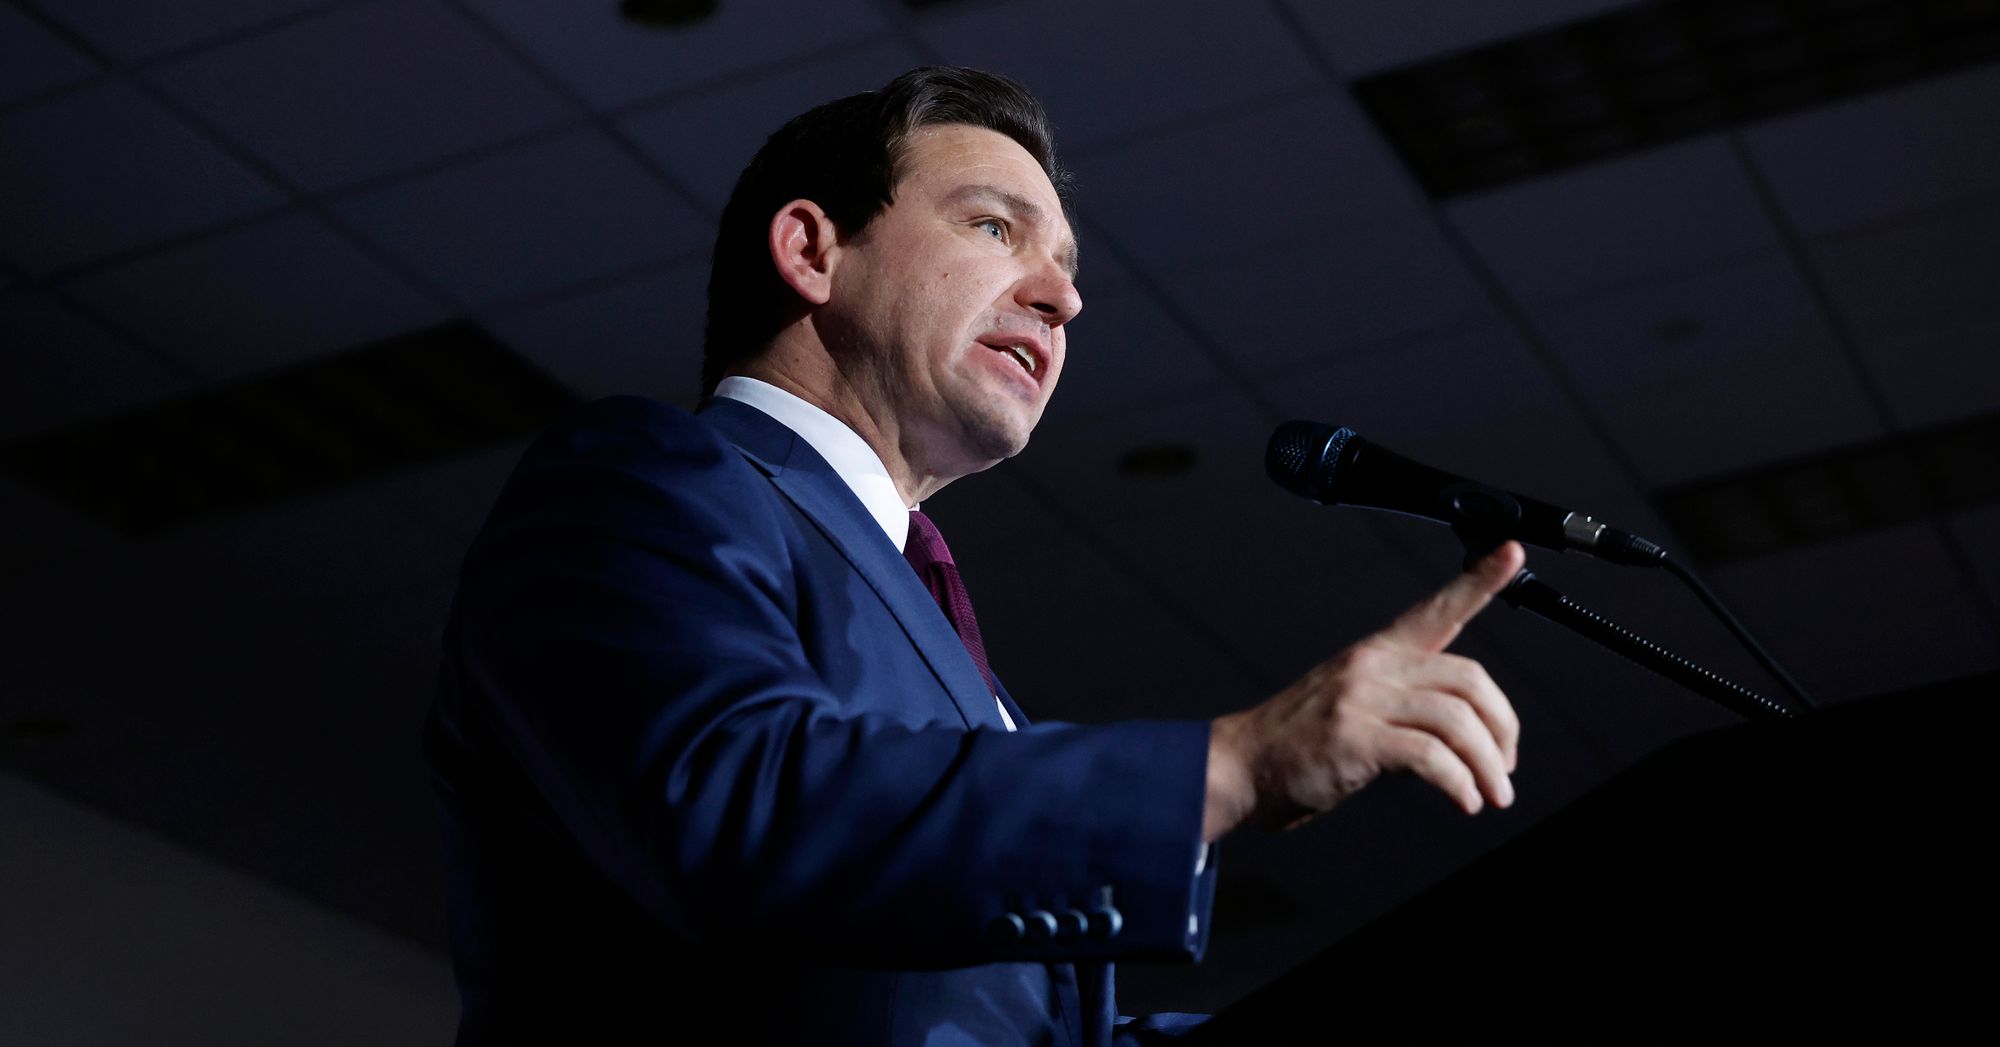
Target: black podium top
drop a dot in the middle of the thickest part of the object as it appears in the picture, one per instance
(1827, 877)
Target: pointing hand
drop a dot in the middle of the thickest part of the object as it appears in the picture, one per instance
(1395, 701)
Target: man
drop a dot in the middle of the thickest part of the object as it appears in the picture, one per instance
(711, 754)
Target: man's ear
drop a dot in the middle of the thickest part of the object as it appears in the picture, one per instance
(803, 245)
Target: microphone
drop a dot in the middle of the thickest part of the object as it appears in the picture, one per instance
(1335, 466)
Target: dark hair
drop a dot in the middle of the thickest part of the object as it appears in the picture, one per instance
(846, 156)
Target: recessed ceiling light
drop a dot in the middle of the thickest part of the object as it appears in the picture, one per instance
(667, 14)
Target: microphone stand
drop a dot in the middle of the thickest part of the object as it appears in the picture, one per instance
(1545, 600)
(1532, 594)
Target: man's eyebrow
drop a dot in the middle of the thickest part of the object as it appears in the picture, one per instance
(1029, 211)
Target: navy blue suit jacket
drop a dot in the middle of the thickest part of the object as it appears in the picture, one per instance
(710, 757)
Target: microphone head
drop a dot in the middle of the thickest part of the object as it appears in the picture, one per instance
(1302, 458)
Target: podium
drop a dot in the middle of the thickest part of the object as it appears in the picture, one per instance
(1830, 877)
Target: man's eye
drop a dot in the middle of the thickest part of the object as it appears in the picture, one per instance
(994, 226)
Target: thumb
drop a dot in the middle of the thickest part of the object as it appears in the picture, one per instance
(1433, 624)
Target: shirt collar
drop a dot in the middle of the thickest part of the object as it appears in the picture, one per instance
(857, 463)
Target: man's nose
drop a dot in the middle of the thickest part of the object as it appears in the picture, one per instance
(1051, 293)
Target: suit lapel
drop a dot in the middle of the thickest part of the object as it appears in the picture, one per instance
(805, 478)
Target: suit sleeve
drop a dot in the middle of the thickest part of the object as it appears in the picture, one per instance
(627, 631)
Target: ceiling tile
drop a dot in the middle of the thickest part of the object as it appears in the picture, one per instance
(105, 169)
(611, 61)
(233, 743)
(363, 91)
(1626, 219)
(128, 31)
(1940, 374)
(58, 666)
(537, 217)
(1864, 615)
(641, 336)
(57, 368)
(1684, 326)
(1741, 414)
(56, 560)
(1931, 270)
(86, 582)
(1469, 378)
(1169, 203)
(707, 140)
(406, 625)
(1077, 458)
(184, 604)
(259, 297)
(94, 898)
(71, 580)
(337, 546)
(33, 59)
(1278, 261)
(1175, 59)
(1284, 304)
(1240, 556)
(1124, 351)
(1714, 372)
(1364, 38)
(1885, 154)
(453, 497)
(1919, 298)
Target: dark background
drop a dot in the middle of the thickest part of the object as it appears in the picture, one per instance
(196, 196)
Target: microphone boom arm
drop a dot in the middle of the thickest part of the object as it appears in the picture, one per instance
(1530, 593)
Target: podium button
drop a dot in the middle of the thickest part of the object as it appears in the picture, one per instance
(1072, 924)
(1041, 926)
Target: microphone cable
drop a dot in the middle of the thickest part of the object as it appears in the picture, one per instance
(1737, 629)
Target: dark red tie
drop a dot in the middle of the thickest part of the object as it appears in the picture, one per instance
(927, 552)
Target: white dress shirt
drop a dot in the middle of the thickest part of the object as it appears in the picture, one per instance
(844, 449)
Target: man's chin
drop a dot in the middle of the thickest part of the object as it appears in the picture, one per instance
(1008, 445)
(983, 439)
(992, 456)
(997, 437)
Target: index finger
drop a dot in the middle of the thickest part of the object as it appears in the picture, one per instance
(1433, 624)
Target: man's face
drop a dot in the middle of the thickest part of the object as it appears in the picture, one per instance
(950, 305)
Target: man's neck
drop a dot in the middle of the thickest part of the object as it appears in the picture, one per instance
(814, 378)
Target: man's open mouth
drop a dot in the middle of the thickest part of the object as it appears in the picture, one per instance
(1026, 350)
(1024, 355)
